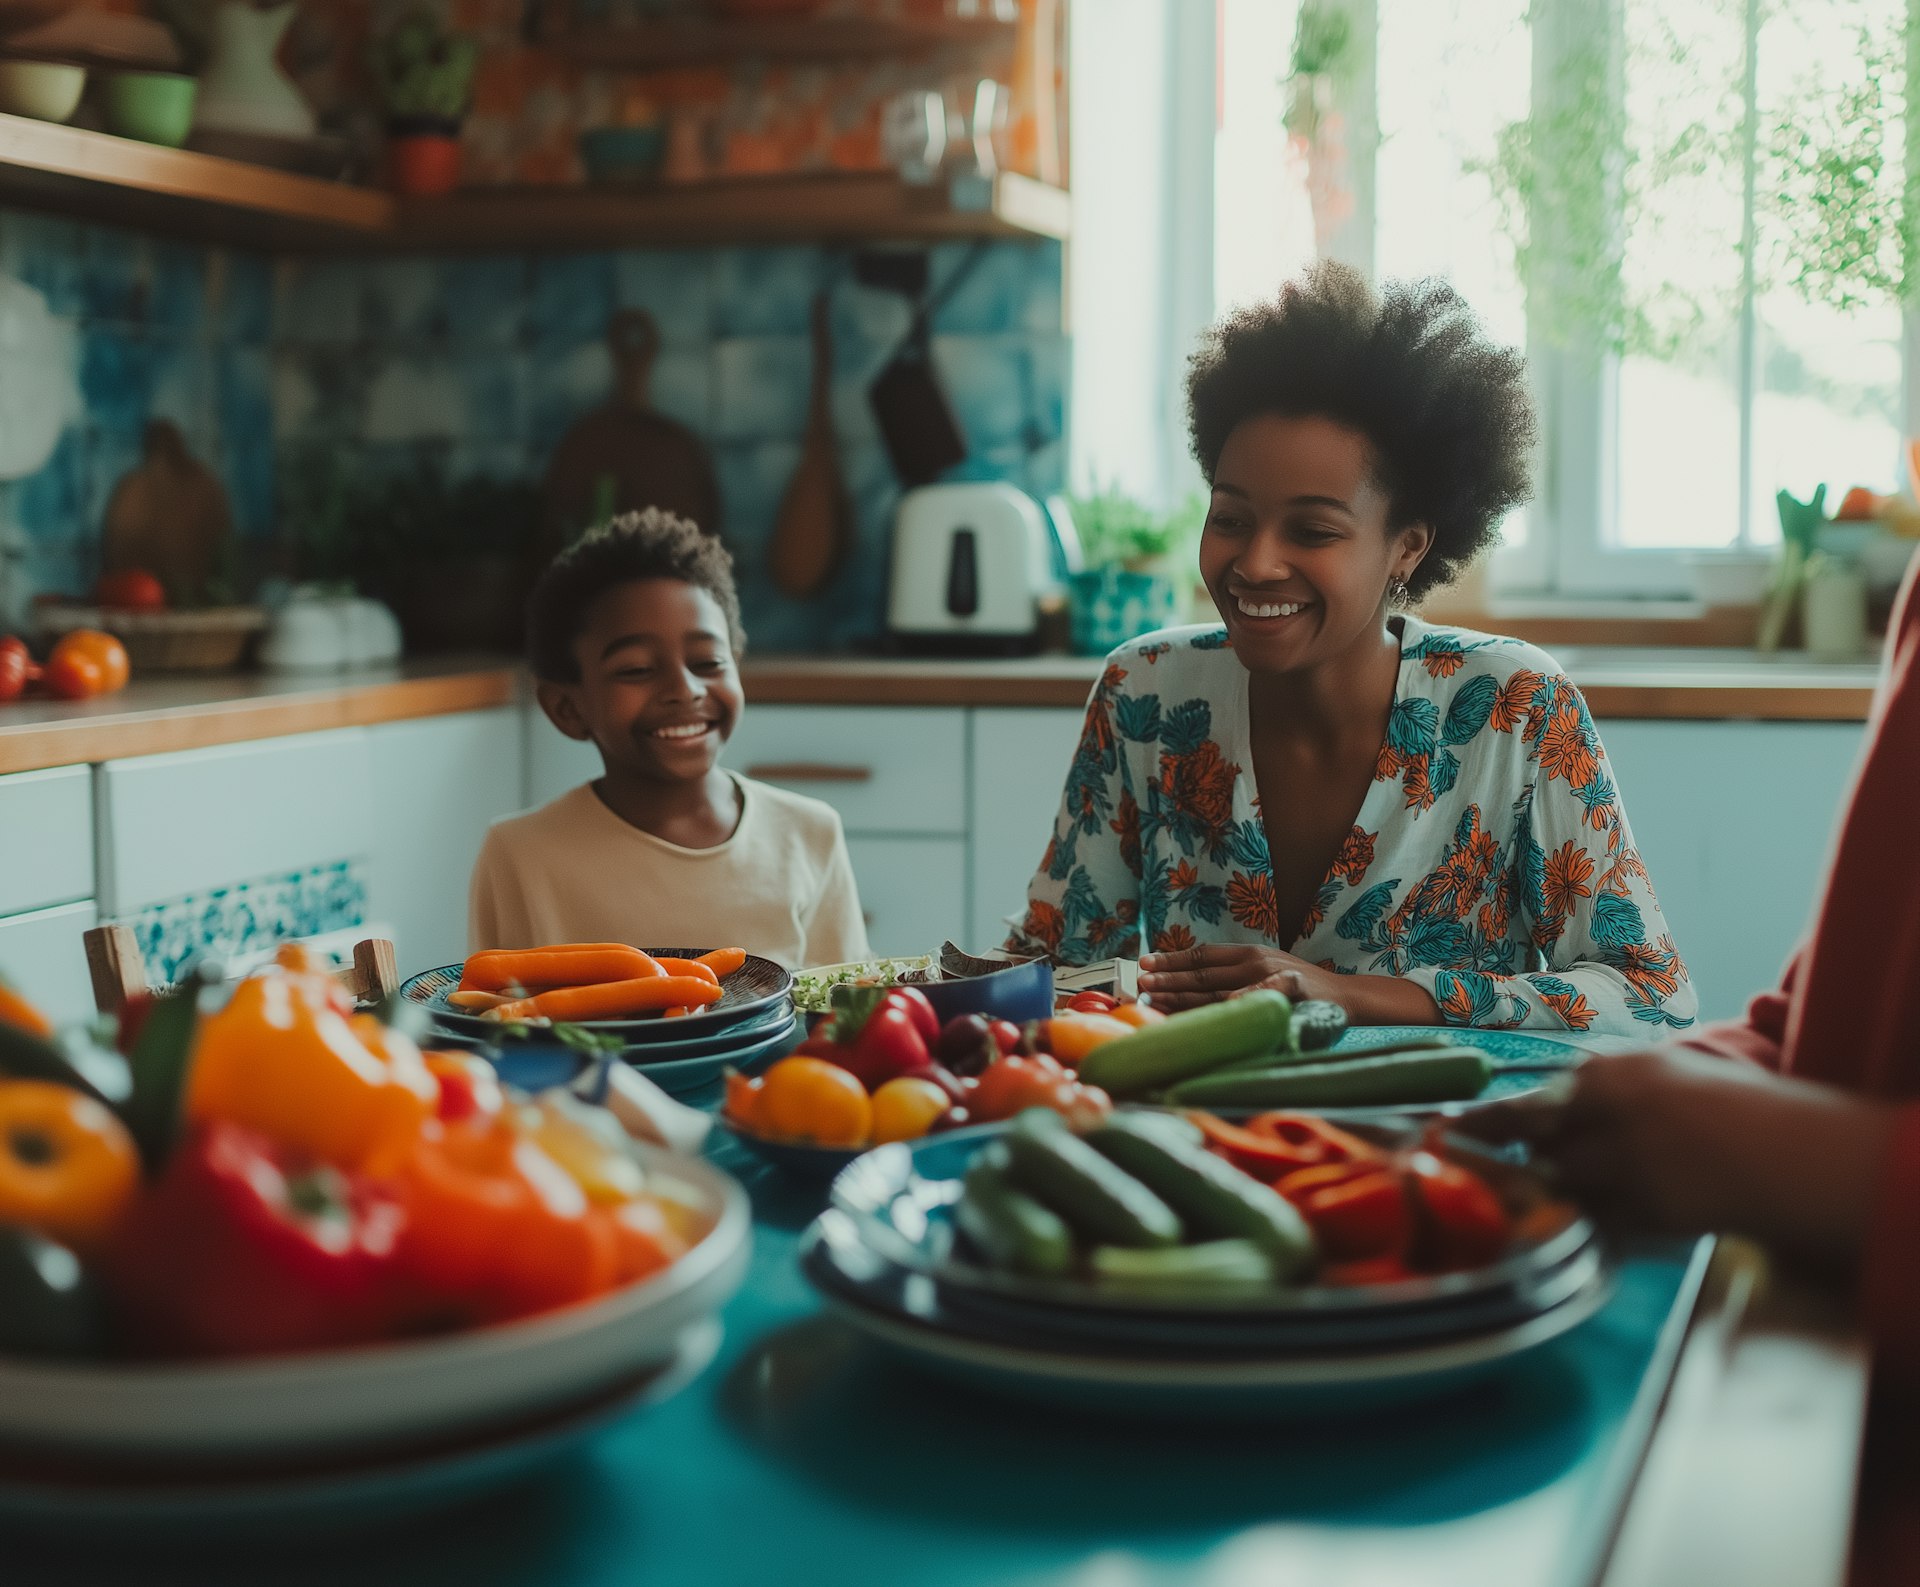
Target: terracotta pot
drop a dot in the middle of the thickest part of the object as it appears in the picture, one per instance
(423, 164)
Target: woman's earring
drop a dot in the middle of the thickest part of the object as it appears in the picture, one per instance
(1397, 591)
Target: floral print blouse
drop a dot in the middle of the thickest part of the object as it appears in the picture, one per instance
(1491, 861)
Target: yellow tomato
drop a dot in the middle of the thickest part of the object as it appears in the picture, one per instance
(811, 1100)
(906, 1108)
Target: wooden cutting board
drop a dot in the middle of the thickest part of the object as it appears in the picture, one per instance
(624, 456)
(169, 516)
(812, 529)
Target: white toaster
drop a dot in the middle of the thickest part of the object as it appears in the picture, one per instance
(971, 562)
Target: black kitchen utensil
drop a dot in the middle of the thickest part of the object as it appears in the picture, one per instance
(917, 424)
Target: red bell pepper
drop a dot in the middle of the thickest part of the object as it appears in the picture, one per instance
(1092, 1002)
(1357, 1211)
(241, 1249)
(1276, 1144)
(1461, 1221)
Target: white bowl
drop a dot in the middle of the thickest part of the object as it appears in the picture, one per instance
(386, 1394)
(1732, 578)
(44, 90)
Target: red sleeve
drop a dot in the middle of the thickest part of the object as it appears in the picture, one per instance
(1890, 1274)
(1761, 1036)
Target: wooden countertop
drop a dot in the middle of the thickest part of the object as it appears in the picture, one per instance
(1699, 684)
(155, 715)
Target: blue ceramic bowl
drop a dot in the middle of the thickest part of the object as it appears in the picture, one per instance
(1019, 993)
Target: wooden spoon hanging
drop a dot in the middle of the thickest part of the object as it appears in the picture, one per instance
(812, 530)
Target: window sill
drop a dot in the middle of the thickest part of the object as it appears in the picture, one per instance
(1549, 621)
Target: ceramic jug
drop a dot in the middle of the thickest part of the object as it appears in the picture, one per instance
(243, 89)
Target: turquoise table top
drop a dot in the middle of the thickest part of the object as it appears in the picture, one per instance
(801, 1457)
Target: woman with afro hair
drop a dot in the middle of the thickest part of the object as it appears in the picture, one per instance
(1322, 793)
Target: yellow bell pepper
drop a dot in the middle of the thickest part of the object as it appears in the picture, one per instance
(286, 1057)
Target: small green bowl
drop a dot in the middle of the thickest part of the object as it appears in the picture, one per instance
(153, 107)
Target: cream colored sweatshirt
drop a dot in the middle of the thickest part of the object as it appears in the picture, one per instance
(572, 871)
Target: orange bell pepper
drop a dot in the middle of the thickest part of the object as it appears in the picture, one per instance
(68, 1167)
(496, 1229)
(16, 1010)
(287, 1058)
(1070, 1037)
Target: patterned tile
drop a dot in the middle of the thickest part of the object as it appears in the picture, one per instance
(562, 385)
(416, 399)
(48, 254)
(51, 505)
(117, 371)
(761, 387)
(486, 300)
(572, 296)
(985, 378)
(766, 291)
(320, 300)
(403, 302)
(178, 277)
(991, 297)
(676, 288)
(250, 916)
(240, 293)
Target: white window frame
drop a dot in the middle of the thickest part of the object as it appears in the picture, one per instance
(1569, 551)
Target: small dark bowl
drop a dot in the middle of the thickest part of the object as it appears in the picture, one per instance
(1019, 993)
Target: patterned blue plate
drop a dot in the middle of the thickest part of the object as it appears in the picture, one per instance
(1508, 1049)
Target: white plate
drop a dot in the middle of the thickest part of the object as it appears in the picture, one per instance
(355, 1494)
(386, 1394)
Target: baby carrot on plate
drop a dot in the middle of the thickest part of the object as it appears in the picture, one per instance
(611, 999)
(692, 967)
(724, 961)
(538, 969)
(476, 1002)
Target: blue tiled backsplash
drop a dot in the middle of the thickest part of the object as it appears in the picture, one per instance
(484, 362)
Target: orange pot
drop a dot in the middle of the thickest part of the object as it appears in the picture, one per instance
(423, 165)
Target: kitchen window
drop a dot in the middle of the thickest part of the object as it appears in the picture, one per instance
(1688, 211)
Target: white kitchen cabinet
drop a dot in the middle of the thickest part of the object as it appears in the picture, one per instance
(1019, 761)
(913, 890)
(1735, 821)
(437, 785)
(48, 850)
(170, 825)
(41, 953)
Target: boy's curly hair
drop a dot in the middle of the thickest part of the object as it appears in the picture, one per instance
(649, 544)
(1448, 412)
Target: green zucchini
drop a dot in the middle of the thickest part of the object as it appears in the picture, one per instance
(1214, 1267)
(1009, 1227)
(1193, 1043)
(1101, 1202)
(1447, 1074)
(1318, 1024)
(1213, 1198)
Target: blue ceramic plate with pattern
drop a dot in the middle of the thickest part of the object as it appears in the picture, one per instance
(1522, 1049)
(758, 987)
(680, 1076)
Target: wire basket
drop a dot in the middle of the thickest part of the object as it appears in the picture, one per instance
(213, 639)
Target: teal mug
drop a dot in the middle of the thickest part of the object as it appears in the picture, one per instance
(1114, 605)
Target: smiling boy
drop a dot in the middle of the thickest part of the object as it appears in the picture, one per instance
(633, 635)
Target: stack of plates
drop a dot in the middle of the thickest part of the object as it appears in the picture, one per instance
(753, 1023)
(885, 1258)
(336, 1436)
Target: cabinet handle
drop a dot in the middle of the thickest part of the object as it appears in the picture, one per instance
(809, 771)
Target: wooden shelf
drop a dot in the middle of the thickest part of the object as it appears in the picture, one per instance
(658, 46)
(783, 209)
(47, 166)
(97, 177)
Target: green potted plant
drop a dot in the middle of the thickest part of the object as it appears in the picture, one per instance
(1138, 563)
(425, 76)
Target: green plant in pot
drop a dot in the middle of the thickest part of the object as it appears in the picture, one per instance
(1138, 566)
(425, 76)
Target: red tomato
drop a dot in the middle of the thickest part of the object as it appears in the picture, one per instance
(14, 666)
(73, 676)
(134, 590)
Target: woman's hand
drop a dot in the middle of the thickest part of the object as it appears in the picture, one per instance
(1217, 970)
(1679, 1143)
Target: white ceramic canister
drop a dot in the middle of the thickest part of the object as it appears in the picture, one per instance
(1833, 614)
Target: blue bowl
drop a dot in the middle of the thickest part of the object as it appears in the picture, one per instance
(1019, 993)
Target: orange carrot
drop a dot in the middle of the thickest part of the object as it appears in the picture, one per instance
(724, 961)
(476, 1002)
(692, 967)
(541, 969)
(611, 999)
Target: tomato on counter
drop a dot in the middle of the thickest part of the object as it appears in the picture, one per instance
(84, 663)
(16, 668)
